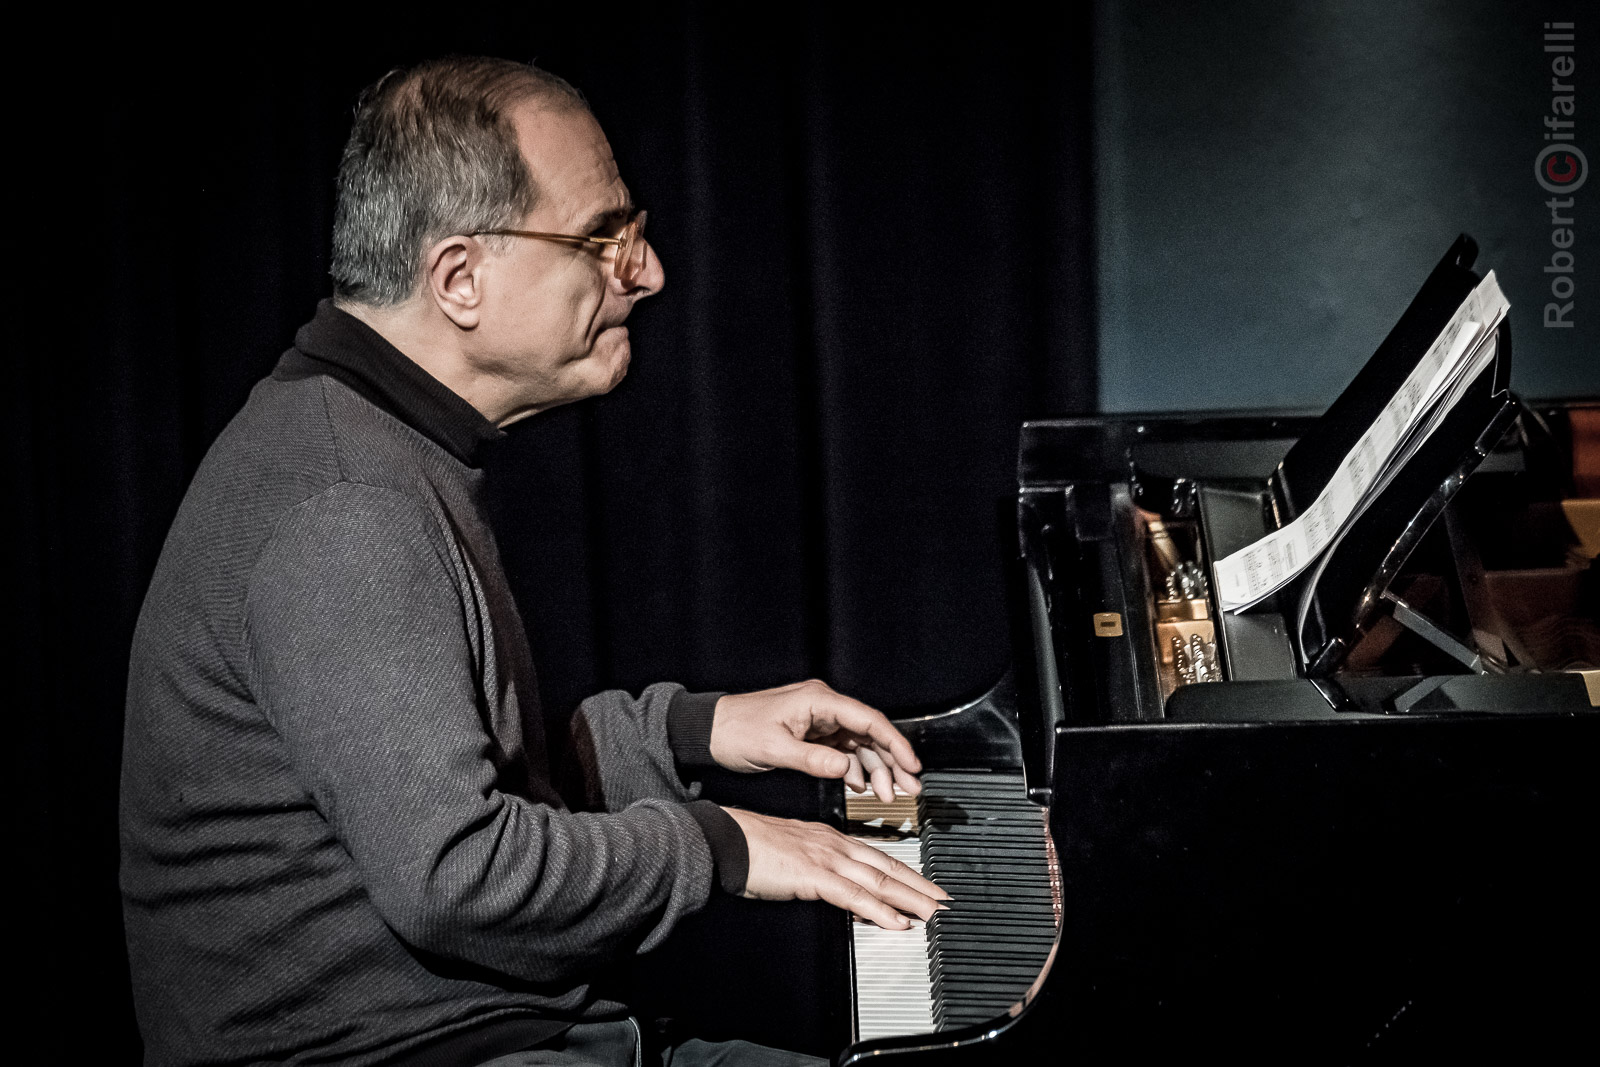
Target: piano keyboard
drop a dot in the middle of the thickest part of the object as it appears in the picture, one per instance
(976, 834)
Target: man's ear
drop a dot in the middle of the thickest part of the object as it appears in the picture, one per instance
(454, 277)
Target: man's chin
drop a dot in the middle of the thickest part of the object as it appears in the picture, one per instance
(621, 353)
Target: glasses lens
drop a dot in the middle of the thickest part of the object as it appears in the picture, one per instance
(630, 256)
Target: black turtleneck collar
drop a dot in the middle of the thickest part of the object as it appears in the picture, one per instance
(341, 346)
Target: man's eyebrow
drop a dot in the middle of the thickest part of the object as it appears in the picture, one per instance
(616, 214)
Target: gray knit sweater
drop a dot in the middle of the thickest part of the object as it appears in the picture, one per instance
(341, 840)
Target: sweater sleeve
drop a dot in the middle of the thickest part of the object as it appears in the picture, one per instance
(366, 648)
(629, 749)
(653, 745)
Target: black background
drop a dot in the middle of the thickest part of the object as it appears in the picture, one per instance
(879, 233)
(875, 241)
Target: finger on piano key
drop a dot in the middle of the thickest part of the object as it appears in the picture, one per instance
(881, 778)
(880, 861)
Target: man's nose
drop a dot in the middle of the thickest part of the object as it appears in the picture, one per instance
(651, 277)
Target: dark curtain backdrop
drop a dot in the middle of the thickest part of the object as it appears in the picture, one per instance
(877, 250)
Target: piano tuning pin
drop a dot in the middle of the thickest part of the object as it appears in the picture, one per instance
(1172, 586)
(1197, 656)
(1211, 661)
(1180, 660)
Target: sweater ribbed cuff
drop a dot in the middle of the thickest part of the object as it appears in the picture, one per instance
(689, 729)
(730, 853)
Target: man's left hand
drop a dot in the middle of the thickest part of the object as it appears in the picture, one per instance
(809, 727)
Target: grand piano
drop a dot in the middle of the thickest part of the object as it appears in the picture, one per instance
(1350, 824)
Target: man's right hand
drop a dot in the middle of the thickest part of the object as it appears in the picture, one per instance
(792, 860)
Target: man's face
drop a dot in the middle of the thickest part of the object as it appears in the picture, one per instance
(552, 328)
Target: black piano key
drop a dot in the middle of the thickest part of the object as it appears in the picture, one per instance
(1025, 970)
(1003, 995)
(952, 985)
(1001, 885)
(962, 889)
(983, 842)
(998, 937)
(958, 866)
(958, 911)
(989, 914)
(991, 978)
(994, 926)
(998, 923)
(998, 886)
(1015, 953)
(1019, 953)
(955, 987)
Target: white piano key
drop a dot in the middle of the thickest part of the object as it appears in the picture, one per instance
(894, 994)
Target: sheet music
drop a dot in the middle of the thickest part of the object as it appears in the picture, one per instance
(1457, 356)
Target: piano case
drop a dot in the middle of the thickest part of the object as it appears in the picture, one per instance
(1306, 863)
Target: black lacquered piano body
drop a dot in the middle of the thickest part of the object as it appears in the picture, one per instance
(1360, 832)
(1365, 844)
(1280, 869)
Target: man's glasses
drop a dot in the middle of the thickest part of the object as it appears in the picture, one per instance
(630, 245)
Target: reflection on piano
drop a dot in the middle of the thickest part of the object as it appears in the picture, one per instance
(1350, 825)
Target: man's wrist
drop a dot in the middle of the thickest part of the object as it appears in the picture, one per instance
(689, 718)
(730, 852)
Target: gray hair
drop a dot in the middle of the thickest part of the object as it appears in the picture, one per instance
(432, 153)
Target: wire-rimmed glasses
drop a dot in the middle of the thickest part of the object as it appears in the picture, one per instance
(630, 245)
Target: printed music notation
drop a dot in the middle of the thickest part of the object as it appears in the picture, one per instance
(1453, 361)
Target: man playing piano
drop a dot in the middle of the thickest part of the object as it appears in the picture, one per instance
(345, 838)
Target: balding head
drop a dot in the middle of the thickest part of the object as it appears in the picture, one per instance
(432, 153)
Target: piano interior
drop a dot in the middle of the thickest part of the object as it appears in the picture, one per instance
(1503, 583)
